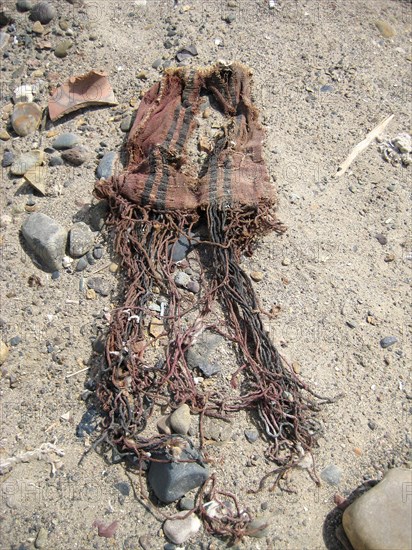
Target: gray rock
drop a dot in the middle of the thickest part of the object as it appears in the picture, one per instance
(123, 487)
(182, 279)
(98, 214)
(382, 239)
(180, 249)
(4, 40)
(99, 285)
(216, 429)
(82, 264)
(171, 481)
(56, 161)
(179, 531)
(251, 435)
(259, 527)
(187, 503)
(193, 286)
(80, 239)
(382, 517)
(98, 252)
(106, 166)
(180, 420)
(126, 124)
(65, 141)
(41, 539)
(388, 341)
(24, 5)
(331, 474)
(156, 64)
(43, 12)
(199, 355)
(62, 48)
(7, 160)
(75, 156)
(186, 53)
(46, 238)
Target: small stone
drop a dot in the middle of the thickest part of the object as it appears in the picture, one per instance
(80, 240)
(97, 215)
(26, 161)
(126, 124)
(170, 481)
(15, 341)
(90, 294)
(99, 285)
(24, 5)
(386, 30)
(156, 64)
(257, 275)
(186, 53)
(388, 341)
(75, 156)
(326, 88)
(251, 435)
(37, 28)
(41, 539)
(26, 118)
(65, 141)
(180, 249)
(331, 474)
(163, 425)
(105, 168)
(372, 425)
(286, 261)
(4, 135)
(156, 328)
(201, 354)
(187, 503)
(382, 517)
(46, 238)
(123, 487)
(7, 159)
(259, 527)
(193, 286)
(113, 267)
(43, 12)
(56, 161)
(98, 252)
(4, 352)
(62, 48)
(24, 93)
(389, 257)
(82, 264)
(381, 239)
(180, 420)
(182, 279)
(216, 429)
(179, 531)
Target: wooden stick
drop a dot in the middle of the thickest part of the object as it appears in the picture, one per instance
(357, 150)
(77, 372)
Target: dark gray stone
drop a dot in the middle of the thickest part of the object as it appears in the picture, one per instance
(388, 341)
(180, 249)
(126, 124)
(171, 481)
(15, 341)
(24, 5)
(82, 264)
(106, 166)
(43, 12)
(381, 239)
(56, 161)
(7, 159)
(251, 435)
(123, 487)
(331, 474)
(186, 53)
(98, 252)
(199, 354)
(156, 64)
(88, 423)
(65, 141)
(46, 239)
(99, 285)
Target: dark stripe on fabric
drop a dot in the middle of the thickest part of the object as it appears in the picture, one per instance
(148, 186)
(213, 171)
(184, 129)
(227, 180)
(162, 190)
(172, 128)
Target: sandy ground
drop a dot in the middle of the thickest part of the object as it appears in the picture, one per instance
(337, 295)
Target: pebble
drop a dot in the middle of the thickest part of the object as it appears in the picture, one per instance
(4, 352)
(179, 531)
(98, 252)
(156, 64)
(381, 517)
(24, 5)
(126, 124)
(7, 160)
(388, 341)
(257, 275)
(37, 27)
(386, 30)
(331, 474)
(41, 539)
(4, 40)
(4, 135)
(113, 267)
(88, 423)
(389, 257)
(56, 161)
(186, 53)
(259, 527)
(65, 141)
(75, 156)
(193, 286)
(46, 238)
(82, 264)
(381, 239)
(99, 285)
(80, 240)
(105, 168)
(163, 425)
(43, 12)
(62, 48)
(90, 294)
(97, 215)
(182, 279)
(15, 341)
(198, 356)
(170, 481)
(187, 503)
(180, 420)
(26, 161)
(216, 429)
(372, 425)
(26, 118)
(286, 261)
(180, 249)
(251, 435)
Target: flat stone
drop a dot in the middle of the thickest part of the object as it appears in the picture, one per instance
(186, 53)
(81, 239)
(180, 249)
(4, 352)
(43, 12)
(99, 285)
(36, 177)
(386, 30)
(75, 156)
(98, 253)
(41, 539)
(62, 48)
(4, 135)
(65, 141)
(182, 279)
(38, 28)
(163, 425)
(56, 160)
(24, 5)
(171, 481)
(26, 161)
(46, 239)
(216, 429)
(4, 40)
(126, 124)
(199, 355)
(26, 118)
(382, 517)
(179, 531)
(187, 503)
(388, 341)
(105, 168)
(331, 474)
(180, 420)
(7, 159)
(252, 435)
